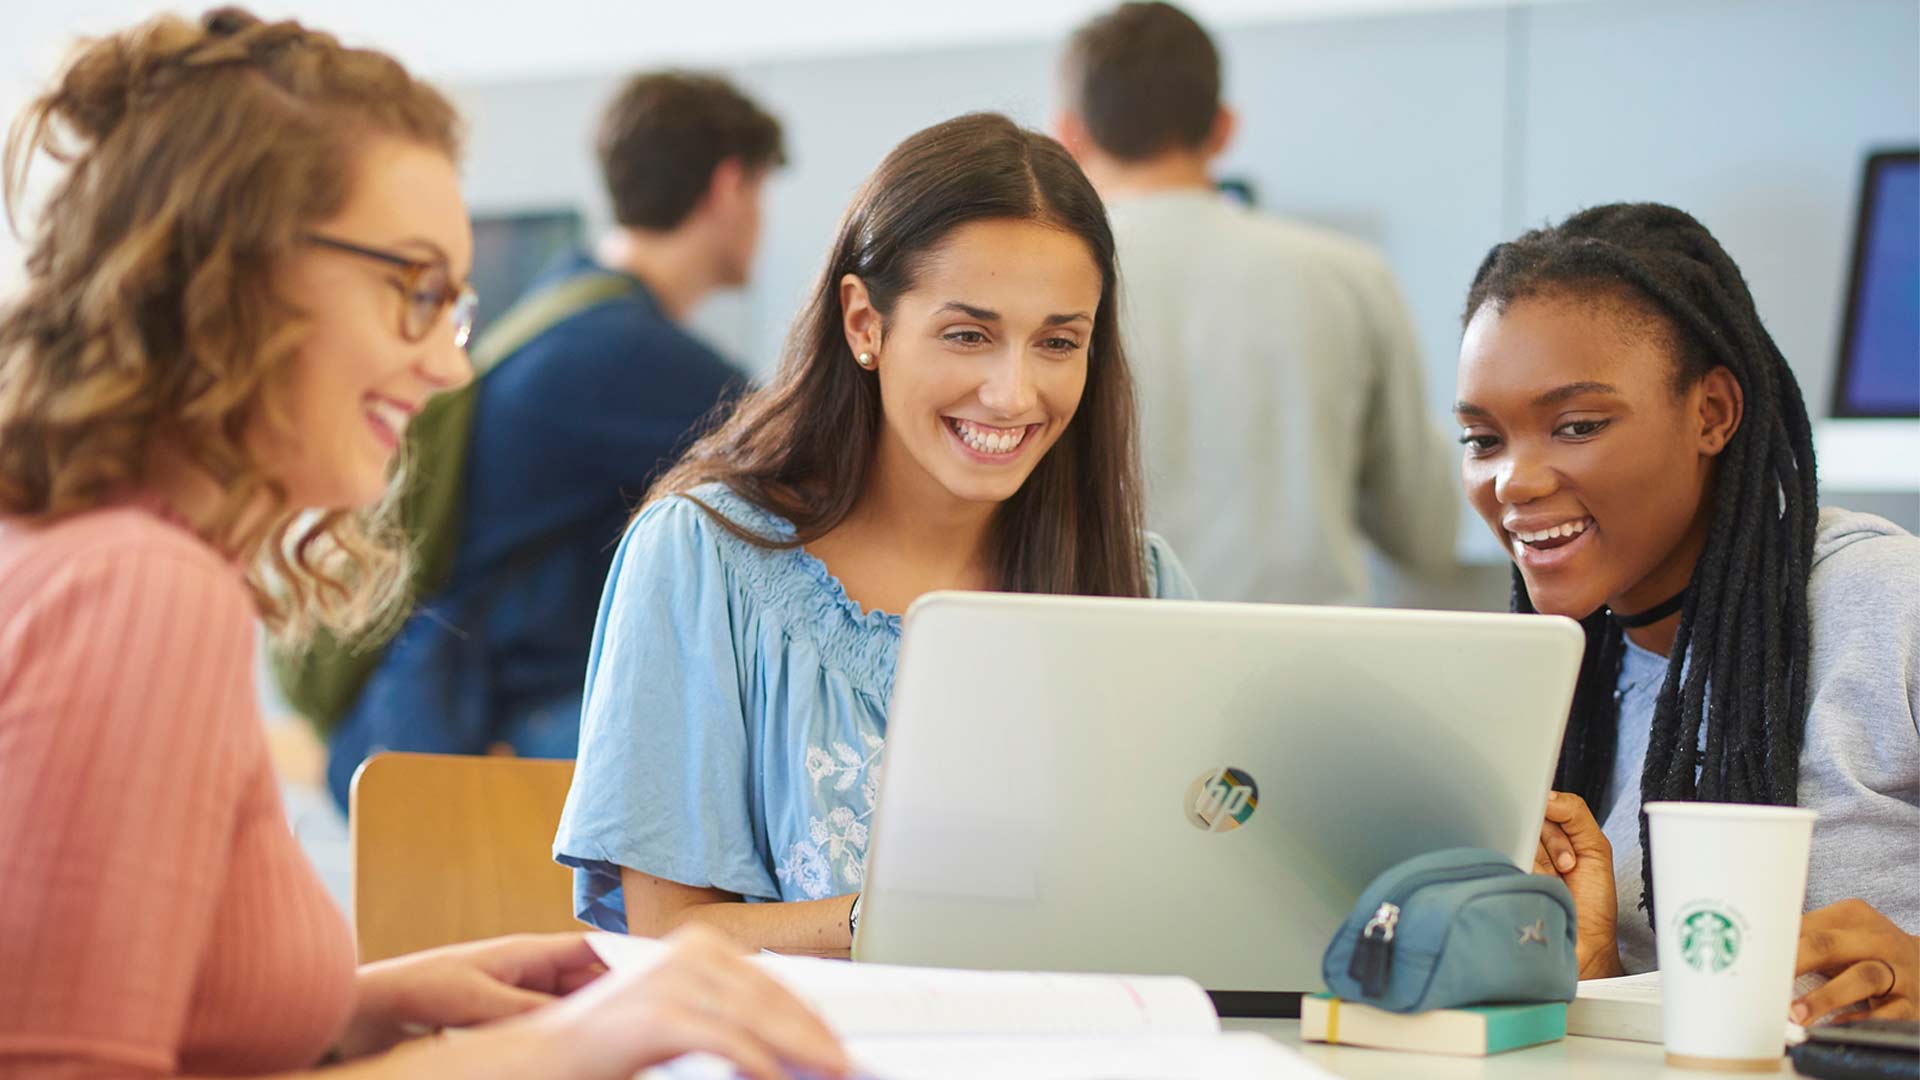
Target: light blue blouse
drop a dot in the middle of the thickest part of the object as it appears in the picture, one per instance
(735, 714)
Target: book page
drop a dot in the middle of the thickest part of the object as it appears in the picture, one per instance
(1169, 1057)
(883, 1000)
(1628, 1007)
(1643, 988)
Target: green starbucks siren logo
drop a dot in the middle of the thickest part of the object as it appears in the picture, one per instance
(1710, 937)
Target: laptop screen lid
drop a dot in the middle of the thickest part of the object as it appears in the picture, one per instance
(1159, 787)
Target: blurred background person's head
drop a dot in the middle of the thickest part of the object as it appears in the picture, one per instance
(1140, 100)
(685, 158)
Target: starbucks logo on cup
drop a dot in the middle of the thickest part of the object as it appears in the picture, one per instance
(1222, 800)
(1711, 935)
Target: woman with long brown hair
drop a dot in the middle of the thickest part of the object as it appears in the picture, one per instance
(953, 411)
(247, 281)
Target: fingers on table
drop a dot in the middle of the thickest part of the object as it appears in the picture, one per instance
(1857, 983)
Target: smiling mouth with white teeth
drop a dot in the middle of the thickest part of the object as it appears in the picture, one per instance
(1547, 539)
(389, 419)
(990, 441)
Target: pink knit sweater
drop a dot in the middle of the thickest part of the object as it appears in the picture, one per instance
(156, 913)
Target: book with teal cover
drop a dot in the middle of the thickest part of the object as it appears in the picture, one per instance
(1470, 1030)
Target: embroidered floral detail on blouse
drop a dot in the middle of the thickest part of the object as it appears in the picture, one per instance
(836, 844)
(806, 869)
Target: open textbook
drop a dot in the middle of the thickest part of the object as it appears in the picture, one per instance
(906, 1023)
(1624, 1008)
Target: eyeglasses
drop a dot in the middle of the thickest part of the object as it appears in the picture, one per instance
(427, 285)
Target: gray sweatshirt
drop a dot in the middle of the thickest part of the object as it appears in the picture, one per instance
(1284, 423)
(1860, 761)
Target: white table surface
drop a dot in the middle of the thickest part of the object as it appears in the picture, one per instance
(1574, 1058)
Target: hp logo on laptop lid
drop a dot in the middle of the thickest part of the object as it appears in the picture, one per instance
(1222, 800)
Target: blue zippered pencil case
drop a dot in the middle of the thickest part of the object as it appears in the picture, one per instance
(1457, 927)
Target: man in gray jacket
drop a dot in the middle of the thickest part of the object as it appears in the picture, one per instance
(1284, 418)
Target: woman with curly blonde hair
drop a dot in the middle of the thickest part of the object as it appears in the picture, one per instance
(248, 279)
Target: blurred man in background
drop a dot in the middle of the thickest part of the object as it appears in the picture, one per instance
(1281, 391)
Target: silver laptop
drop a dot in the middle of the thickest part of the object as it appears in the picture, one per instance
(1157, 787)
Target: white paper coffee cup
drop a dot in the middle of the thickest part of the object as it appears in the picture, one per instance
(1729, 885)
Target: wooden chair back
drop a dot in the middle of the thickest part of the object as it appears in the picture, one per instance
(449, 848)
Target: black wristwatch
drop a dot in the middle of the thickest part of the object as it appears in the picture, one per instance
(853, 916)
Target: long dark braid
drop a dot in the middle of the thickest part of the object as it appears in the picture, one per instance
(1744, 627)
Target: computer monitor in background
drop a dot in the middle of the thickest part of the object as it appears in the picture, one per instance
(1867, 450)
(1241, 189)
(1879, 370)
(510, 250)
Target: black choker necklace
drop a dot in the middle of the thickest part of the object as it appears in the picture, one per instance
(1651, 615)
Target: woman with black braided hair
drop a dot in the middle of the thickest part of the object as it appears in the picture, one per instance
(1638, 444)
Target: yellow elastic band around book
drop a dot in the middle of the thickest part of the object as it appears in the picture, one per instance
(1333, 1020)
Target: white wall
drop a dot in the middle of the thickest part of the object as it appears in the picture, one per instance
(1434, 129)
(493, 40)
(1434, 133)
(1756, 116)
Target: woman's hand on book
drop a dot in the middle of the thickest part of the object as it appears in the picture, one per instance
(463, 986)
(702, 997)
(1574, 849)
(1872, 964)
